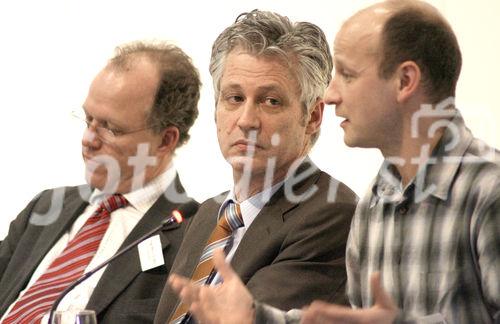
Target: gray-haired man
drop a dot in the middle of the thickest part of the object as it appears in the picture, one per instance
(269, 77)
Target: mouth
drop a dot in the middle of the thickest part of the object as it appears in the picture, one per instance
(344, 123)
(89, 160)
(345, 120)
(246, 145)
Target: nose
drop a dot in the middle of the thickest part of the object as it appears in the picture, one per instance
(332, 95)
(249, 118)
(90, 140)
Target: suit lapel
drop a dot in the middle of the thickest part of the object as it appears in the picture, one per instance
(199, 234)
(248, 256)
(187, 258)
(125, 268)
(72, 207)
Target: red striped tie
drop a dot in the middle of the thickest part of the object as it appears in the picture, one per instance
(66, 268)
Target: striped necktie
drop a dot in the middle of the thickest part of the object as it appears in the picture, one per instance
(219, 239)
(67, 267)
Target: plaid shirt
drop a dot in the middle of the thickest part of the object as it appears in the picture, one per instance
(437, 241)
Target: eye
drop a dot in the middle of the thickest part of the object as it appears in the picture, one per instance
(272, 102)
(85, 117)
(346, 75)
(114, 131)
(234, 99)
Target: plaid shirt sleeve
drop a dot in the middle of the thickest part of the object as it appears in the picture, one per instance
(353, 258)
(487, 236)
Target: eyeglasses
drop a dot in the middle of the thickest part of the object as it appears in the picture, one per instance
(106, 134)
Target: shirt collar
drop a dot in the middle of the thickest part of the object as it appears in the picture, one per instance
(251, 206)
(143, 198)
(448, 155)
(438, 172)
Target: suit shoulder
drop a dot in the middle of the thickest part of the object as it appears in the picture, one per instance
(335, 191)
(324, 200)
(208, 208)
(45, 199)
(213, 202)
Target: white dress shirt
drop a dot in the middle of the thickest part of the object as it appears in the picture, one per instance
(250, 208)
(122, 222)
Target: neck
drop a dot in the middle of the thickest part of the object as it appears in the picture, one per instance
(141, 179)
(412, 152)
(246, 186)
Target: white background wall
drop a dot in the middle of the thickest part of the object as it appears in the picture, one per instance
(51, 50)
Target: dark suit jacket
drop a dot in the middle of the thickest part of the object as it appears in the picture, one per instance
(293, 252)
(124, 293)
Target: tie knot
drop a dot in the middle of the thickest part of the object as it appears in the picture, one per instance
(232, 219)
(114, 202)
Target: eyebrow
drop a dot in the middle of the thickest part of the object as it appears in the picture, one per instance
(338, 62)
(264, 88)
(100, 120)
(231, 86)
(268, 88)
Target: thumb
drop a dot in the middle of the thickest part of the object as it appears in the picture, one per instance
(227, 273)
(382, 299)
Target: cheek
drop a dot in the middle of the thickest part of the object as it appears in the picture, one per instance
(286, 139)
(225, 124)
(121, 158)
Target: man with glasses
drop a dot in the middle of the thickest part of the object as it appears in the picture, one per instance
(138, 111)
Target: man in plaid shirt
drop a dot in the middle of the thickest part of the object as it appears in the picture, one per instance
(424, 244)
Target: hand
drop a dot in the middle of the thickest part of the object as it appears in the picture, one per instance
(383, 311)
(228, 302)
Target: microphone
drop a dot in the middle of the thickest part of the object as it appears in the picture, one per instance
(177, 216)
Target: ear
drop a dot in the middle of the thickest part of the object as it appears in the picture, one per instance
(409, 79)
(169, 140)
(315, 117)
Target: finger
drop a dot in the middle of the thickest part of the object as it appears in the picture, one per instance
(321, 312)
(222, 266)
(186, 289)
(380, 296)
(202, 309)
(177, 282)
(189, 294)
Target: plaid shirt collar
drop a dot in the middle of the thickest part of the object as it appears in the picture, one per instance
(438, 171)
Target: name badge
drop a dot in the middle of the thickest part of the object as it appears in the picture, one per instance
(150, 253)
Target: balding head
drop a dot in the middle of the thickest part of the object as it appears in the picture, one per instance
(410, 30)
(178, 83)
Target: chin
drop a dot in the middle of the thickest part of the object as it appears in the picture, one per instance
(350, 142)
(239, 162)
(100, 181)
(95, 181)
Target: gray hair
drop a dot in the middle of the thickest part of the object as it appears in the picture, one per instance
(302, 45)
(178, 91)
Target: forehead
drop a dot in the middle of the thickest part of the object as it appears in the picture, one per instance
(122, 97)
(242, 69)
(359, 37)
(130, 89)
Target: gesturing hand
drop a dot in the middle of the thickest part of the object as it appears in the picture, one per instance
(383, 311)
(228, 302)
